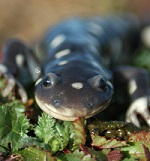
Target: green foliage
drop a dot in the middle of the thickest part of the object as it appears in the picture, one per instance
(17, 105)
(55, 135)
(103, 143)
(136, 142)
(78, 156)
(143, 58)
(51, 139)
(13, 128)
(33, 153)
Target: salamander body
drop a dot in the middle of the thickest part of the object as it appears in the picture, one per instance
(75, 78)
(75, 83)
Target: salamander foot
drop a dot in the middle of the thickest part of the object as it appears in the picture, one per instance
(139, 106)
(11, 83)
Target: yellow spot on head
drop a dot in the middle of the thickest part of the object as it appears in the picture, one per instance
(77, 85)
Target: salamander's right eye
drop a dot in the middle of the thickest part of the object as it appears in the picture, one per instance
(50, 80)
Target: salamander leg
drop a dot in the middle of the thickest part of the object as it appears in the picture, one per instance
(136, 82)
(139, 106)
(11, 83)
(16, 56)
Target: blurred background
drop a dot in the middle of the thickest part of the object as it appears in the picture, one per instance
(29, 19)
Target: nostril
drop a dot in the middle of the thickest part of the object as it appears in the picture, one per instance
(89, 105)
(56, 103)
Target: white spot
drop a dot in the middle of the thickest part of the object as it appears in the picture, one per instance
(3, 68)
(19, 60)
(37, 70)
(95, 28)
(57, 40)
(145, 35)
(77, 85)
(132, 86)
(62, 53)
(63, 62)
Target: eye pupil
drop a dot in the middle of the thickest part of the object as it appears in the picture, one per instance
(46, 81)
(102, 84)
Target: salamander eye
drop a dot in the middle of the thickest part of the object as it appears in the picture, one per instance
(99, 82)
(102, 84)
(46, 81)
(50, 80)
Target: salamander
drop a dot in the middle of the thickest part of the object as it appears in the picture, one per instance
(75, 80)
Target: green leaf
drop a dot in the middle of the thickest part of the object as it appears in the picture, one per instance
(102, 143)
(79, 156)
(3, 149)
(142, 58)
(17, 105)
(135, 150)
(45, 125)
(136, 141)
(130, 159)
(143, 137)
(54, 134)
(33, 154)
(99, 155)
(13, 128)
(57, 135)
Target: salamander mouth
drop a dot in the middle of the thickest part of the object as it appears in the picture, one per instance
(49, 109)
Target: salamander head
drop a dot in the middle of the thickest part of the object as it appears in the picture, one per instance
(71, 97)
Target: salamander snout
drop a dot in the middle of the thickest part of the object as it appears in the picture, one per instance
(68, 98)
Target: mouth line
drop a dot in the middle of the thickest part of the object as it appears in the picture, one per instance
(46, 108)
(102, 107)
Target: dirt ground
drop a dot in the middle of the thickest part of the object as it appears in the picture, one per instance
(29, 19)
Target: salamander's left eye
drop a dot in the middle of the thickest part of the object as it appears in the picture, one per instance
(99, 82)
(50, 80)
(102, 84)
